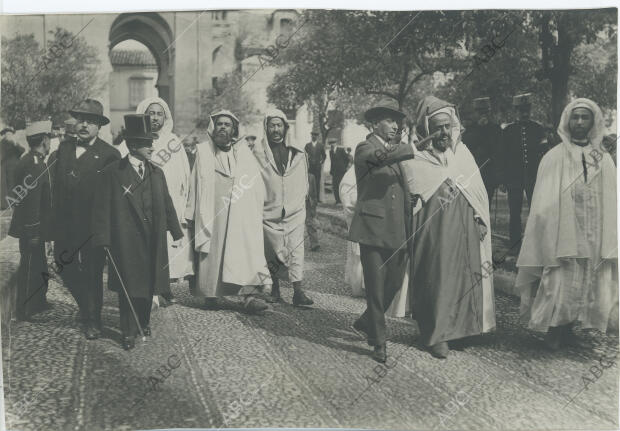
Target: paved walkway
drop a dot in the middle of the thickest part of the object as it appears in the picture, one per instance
(295, 368)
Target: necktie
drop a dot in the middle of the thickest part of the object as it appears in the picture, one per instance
(585, 168)
(141, 171)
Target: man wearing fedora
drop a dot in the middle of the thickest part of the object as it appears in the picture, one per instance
(74, 168)
(30, 221)
(379, 220)
(132, 213)
(482, 139)
(522, 150)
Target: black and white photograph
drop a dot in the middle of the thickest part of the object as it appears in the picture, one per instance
(320, 217)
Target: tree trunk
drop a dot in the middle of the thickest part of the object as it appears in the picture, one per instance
(561, 69)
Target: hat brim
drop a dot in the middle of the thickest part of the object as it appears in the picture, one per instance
(103, 120)
(377, 111)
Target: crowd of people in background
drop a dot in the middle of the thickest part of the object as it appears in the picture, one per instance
(231, 215)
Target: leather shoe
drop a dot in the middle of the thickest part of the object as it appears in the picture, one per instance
(129, 343)
(379, 354)
(301, 300)
(254, 305)
(440, 350)
(553, 338)
(147, 331)
(359, 329)
(169, 298)
(91, 332)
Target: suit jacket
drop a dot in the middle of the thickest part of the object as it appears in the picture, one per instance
(31, 216)
(382, 201)
(316, 155)
(74, 185)
(139, 248)
(522, 150)
(339, 161)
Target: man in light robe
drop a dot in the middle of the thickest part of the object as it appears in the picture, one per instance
(169, 154)
(568, 265)
(225, 207)
(284, 170)
(452, 292)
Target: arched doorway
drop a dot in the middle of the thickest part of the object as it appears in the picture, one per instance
(153, 31)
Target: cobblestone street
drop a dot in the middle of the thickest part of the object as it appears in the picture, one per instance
(296, 368)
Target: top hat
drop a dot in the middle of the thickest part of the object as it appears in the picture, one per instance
(482, 104)
(387, 107)
(91, 108)
(521, 100)
(138, 130)
(39, 127)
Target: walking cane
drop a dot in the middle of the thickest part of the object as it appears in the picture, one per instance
(133, 311)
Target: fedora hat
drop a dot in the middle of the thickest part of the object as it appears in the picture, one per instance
(90, 108)
(138, 130)
(387, 107)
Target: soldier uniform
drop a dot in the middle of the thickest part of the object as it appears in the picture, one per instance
(30, 221)
(522, 150)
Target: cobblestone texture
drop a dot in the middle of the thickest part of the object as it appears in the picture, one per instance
(295, 368)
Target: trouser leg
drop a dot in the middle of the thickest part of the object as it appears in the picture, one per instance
(515, 202)
(311, 227)
(93, 261)
(374, 272)
(31, 279)
(68, 269)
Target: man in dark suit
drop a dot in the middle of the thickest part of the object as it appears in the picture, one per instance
(522, 150)
(74, 168)
(315, 151)
(483, 139)
(30, 221)
(132, 213)
(379, 221)
(339, 164)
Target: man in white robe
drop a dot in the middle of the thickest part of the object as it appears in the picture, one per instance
(568, 265)
(225, 207)
(170, 156)
(451, 284)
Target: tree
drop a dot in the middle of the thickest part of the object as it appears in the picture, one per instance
(228, 93)
(560, 32)
(45, 84)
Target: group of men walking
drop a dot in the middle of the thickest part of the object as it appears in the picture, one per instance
(233, 224)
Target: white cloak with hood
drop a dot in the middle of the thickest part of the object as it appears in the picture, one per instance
(568, 264)
(169, 154)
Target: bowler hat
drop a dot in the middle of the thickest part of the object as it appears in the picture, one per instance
(387, 107)
(521, 100)
(90, 108)
(138, 130)
(482, 103)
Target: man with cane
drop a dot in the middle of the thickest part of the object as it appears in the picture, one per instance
(131, 215)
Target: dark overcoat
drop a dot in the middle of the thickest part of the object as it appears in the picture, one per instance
(382, 201)
(32, 213)
(139, 248)
(521, 152)
(74, 185)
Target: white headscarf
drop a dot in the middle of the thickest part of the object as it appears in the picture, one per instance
(168, 125)
(596, 133)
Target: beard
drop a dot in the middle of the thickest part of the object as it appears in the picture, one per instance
(441, 145)
(223, 140)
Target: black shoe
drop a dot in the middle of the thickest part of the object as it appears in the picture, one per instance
(301, 300)
(147, 331)
(169, 298)
(553, 338)
(379, 354)
(359, 328)
(92, 332)
(129, 343)
(254, 305)
(211, 304)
